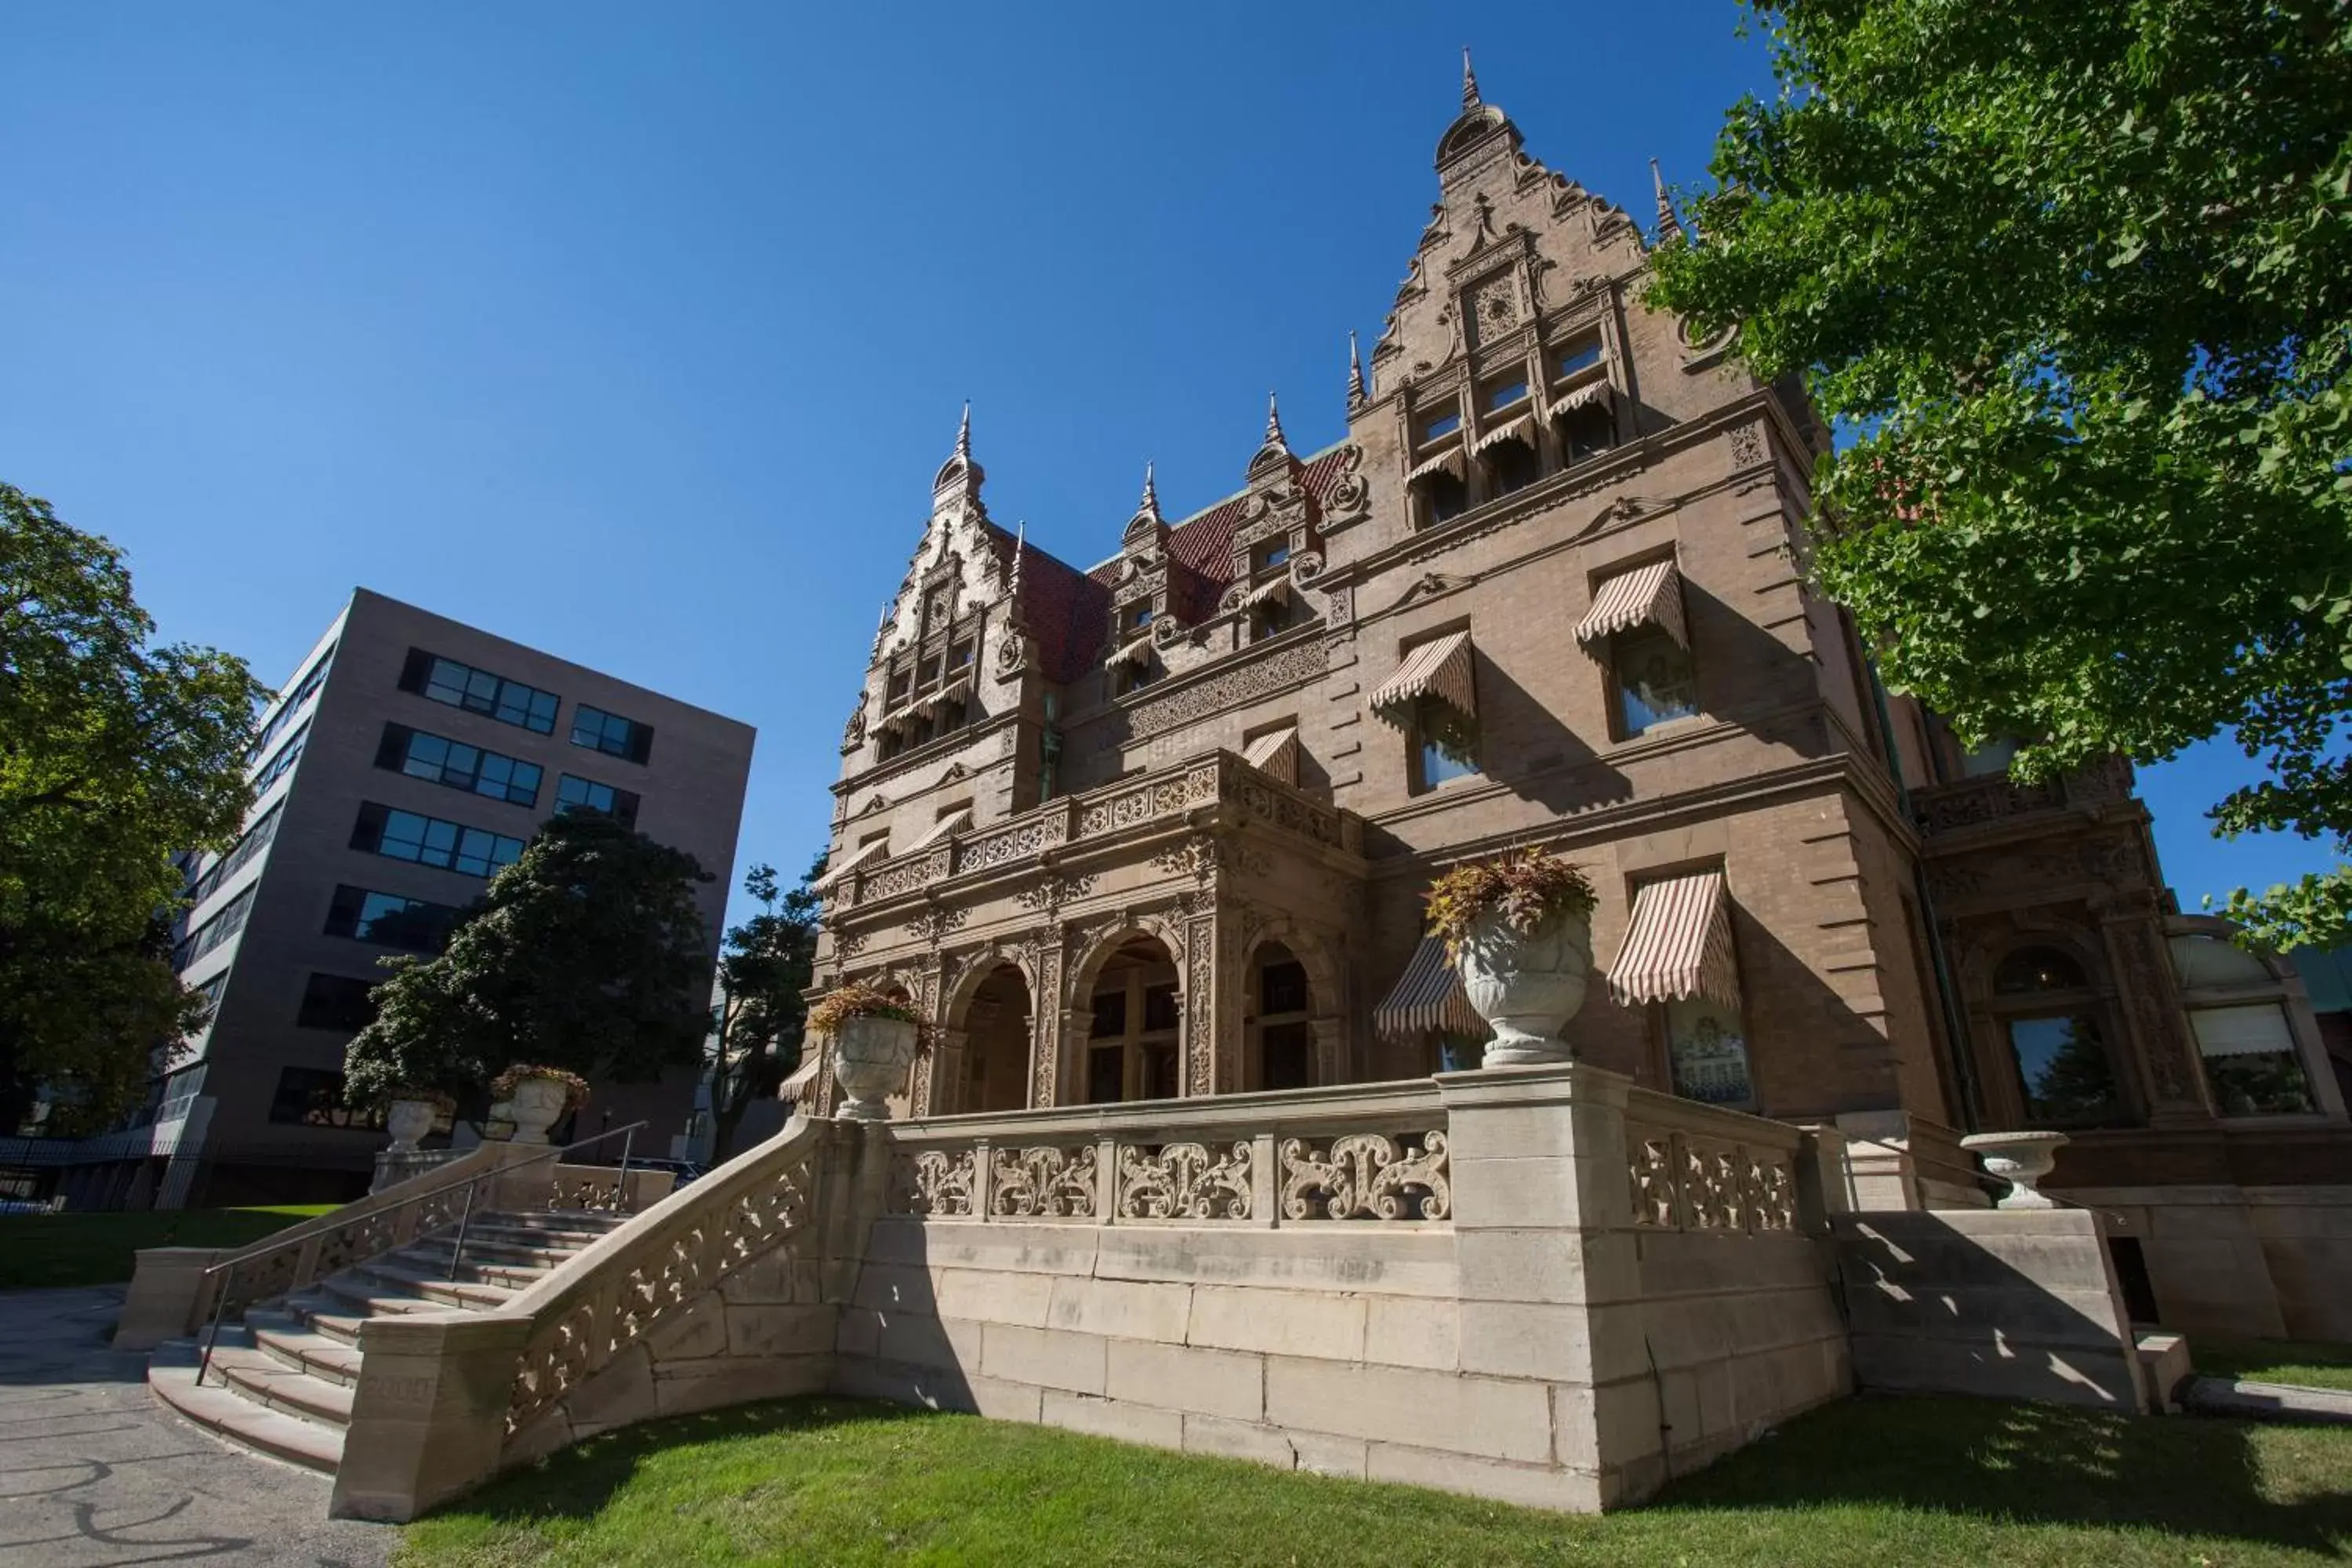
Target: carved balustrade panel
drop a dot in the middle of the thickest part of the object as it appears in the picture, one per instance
(1185, 1181)
(1044, 1182)
(1367, 1176)
(1690, 1182)
(935, 1181)
(905, 875)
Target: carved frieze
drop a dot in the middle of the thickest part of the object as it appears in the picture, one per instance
(1229, 689)
(1364, 1174)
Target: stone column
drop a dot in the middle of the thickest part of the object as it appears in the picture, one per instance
(943, 1083)
(2163, 1051)
(1053, 1021)
(428, 1418)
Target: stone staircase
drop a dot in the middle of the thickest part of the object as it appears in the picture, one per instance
(281, 1381)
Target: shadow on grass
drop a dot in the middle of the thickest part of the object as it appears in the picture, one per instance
(2045, 1464)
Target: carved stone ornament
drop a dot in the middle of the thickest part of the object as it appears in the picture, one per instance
(934, 1181)
(1746, 445)
(1043, 1183)
(1366, 1174)
(1300, 662)
(853, 734)
(1182, 1180)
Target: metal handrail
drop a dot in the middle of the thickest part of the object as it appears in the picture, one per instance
(457, 1256)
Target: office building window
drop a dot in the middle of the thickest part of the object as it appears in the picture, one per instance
(283, 763)
(574, 792)
(479, 692)
(290, 709)
(313, 1097)
(611, 734)
(257, 838)
(1654, 677)
(336, 1002)
(429, 841)
(389, 919)
(215, 930)
(441, 761)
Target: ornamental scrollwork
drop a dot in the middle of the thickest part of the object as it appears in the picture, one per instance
(1365, 1173)
(935, 1181)
(552, 1366)
(1649, 1172)
(1043, 1183)
(1711, 1194)
(1182, 1180)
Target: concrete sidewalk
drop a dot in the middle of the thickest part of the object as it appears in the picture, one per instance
(95, 1473)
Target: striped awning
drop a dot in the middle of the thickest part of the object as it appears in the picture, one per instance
(1652, 592)
(1523, 428)
(1275, 753)
(1450, 460)
(1584, 397)
(1439, 668)
(1678, 943)
(1272, 588)
(858, 857)
(930, 701)
(953, 822)
(802, 1082)
(1427, 999)
(1136, 650)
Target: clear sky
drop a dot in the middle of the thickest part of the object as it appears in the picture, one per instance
(636, 332)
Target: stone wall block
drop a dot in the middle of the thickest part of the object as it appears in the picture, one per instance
(1284, 1322)
(1049, 1358)
(951, 1344)
(1501, 1419)
(1122, 1308)
(1523, 1486)
(757, 1332)
(1403, 1332)
(994, 1298)
(1113, 1418)
(1175, 1377)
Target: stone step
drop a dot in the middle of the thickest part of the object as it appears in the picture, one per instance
(532, 1230)
(264, 1379)
(323, 1314)
(297, 1347)
(172, 1375)
(465, 1295)
(366, 1298)
(487, 1253)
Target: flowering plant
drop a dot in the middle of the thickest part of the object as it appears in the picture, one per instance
(439, 1099)
(1525, 888)
(576, 1088)
(856, 999)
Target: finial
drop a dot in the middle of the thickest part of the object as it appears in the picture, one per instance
(1151, 502)
(1020, 549)
(1357, 396)
(1469, 82)
(1668, 225)
(964, 433)
(1273, 422)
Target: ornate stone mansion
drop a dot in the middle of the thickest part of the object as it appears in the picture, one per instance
(1160, 828)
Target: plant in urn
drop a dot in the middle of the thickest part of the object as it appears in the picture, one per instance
(412, 1113)
(875, 1038)
(1519, 930)
(538, 1098)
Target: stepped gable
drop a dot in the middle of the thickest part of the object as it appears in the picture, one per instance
(1201, 548)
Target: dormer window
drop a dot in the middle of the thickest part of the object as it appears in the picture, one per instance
(1578, 355)
(1139, 616)
(1274, 552)
(1503, 392)
(1438, 425)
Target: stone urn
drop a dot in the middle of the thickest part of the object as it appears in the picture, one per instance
(408, 1121)
(1527, 986)
(2020, 1159)
(871, 1055)
(536, 1105)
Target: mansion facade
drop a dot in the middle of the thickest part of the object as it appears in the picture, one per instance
(1161, 829)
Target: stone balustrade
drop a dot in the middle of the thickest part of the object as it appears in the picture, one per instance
(1695, 1167)
(1150, 800)
(1996, 798)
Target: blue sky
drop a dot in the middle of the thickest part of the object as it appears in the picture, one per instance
(636, 332)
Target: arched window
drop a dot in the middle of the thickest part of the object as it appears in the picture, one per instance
(2237, 1010)
(2049, 1017)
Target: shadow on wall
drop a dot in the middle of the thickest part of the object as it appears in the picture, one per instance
(2037, 1464)
(1546, 761)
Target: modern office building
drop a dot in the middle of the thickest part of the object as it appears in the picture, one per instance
(409, 759)
(1161, 827)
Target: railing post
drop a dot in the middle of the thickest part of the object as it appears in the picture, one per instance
(1106, 1181)
(458, 1253)
(621, 1201)
(220, 1306)
(984, 1179)
(1266, 1183)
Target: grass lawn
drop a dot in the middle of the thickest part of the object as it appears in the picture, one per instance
(95, 1248)
(1872, 1481)
(2308, 1362)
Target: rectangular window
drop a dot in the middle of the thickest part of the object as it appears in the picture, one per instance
(479, 692)
(1274, 552)
(959, 655)
(1579, 354)
(1139, 616)
(1441, 749)
(1706, 1044)
(574, 792)
(1502, 393)
(283, 762)
(215, 930)
(1445, 422)
(1587, 431)
(1110, 1018)
(336, 1002)
(257, 838)
(436, 759)
(313, 1097)
(429, 841)
(312, 678)
(1654, 677)
(2061, 1064)
(1159, 1008)
(389, 919)
(2250, 1059)
(611, 734)
(1106, 1071)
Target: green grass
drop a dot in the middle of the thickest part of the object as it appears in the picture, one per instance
(2308, 1364)
(38, 1249)
(1868, 1481)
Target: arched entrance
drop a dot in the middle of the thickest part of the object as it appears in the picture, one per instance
(1279, 1039)
(996, 1043)
(1132, 1036)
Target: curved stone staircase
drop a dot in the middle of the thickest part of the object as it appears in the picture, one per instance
(282, 1379)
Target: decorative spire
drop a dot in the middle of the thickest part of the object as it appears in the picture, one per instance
(1151, 502)
(963, 430)
(1669, 227)
(1147, 524)
(1274, 424)
(960, 474)
(1020, 549)
(1469, 82)
(1357, 396)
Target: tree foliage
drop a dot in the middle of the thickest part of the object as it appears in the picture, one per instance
(2077, 281)
(585, 954)
(767, 964)
(114, 753)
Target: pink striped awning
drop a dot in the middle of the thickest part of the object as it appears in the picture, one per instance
(858, 857)
(1440, 668)
(1451, 460)
(1272, 588)
(1591, 392)
(1275, 753)
(1522, 429)
(1427, 999)
(1652, 593)
(1678, 943)
(1136, 650)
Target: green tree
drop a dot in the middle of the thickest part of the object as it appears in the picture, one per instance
(114, 753)
(2076, 280)
(586, 954)
(767, 964)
